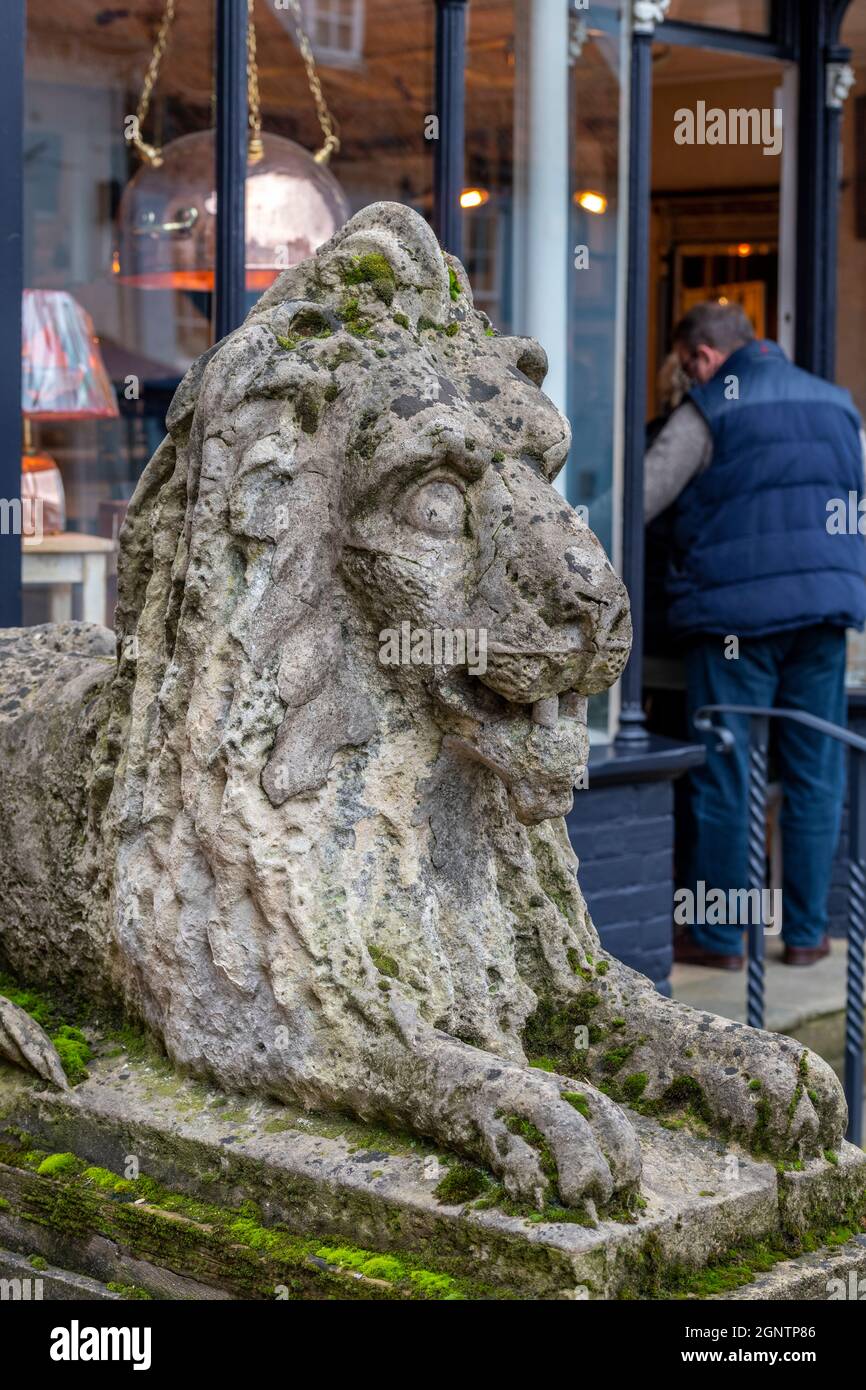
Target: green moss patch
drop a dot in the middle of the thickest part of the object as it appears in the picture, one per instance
(462, 1183)
(228, 1247)
(374, 270)
(72, 1046)
(385, 964)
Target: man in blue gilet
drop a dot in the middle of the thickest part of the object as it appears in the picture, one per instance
(757, 465)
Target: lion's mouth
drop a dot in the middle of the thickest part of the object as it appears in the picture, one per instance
(539, 749)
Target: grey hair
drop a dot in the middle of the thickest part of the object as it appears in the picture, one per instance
(721, 326)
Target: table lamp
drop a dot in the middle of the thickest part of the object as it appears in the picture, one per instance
(63, 378)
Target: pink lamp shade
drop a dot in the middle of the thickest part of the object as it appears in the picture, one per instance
(63, 375)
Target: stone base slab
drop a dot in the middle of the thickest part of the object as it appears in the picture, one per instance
(347, 1185)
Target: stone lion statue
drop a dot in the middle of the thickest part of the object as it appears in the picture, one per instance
(320, 875)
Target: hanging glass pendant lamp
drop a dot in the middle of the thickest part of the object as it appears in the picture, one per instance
(167, 213)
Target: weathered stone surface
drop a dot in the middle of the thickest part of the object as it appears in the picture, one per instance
(325, 879)
(25, 1043)
(329, 1177)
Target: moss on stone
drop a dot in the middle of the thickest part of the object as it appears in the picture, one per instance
(616, 1057)
(532, 1135)
(633, 1086)
(578, 1101)
(550, 1031)
(462, 1183)
(453, 284)
(71, 1044)
(385, 964)
(375, 270)
(201, 1240)
(308, 408)
(401, 320)
(129, 1291)
(57, 1163)
(74, 1052)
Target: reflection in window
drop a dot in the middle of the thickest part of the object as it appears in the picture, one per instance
(84, 82)
(336, 29)
(751, 16)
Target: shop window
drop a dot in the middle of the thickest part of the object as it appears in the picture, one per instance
(543, 220)
(751, 16)
(119, 244)
(851, 257)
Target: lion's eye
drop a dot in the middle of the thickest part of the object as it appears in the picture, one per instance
(437, 508)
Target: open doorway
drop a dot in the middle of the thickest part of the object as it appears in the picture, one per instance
(719, 227)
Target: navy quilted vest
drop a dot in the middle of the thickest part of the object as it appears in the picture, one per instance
(752, 551)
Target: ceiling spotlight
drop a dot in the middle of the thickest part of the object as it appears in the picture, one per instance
(474, 197)
(591, 201)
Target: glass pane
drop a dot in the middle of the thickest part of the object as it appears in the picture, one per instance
(542, 209)
(102, 357)
(851, 263)
(752, 16)
(119, 234)
(542, 225)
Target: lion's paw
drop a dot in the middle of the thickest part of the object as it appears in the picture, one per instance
(762, 1088)
(550, 1139)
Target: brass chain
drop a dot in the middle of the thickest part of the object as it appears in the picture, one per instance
(152, 155)
(329, 126)
(255, 148)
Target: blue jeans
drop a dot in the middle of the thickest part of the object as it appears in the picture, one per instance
(803, 669)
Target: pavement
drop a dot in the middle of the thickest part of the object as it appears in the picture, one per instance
(794, 995)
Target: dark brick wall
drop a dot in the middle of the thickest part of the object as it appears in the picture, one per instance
(623, 835)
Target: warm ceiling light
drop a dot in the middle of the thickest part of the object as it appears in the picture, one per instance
(744, 249)
(591, 201)
(723, 299)
(474, 197)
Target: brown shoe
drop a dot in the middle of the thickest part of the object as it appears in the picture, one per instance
(688, 952)
(806, 955)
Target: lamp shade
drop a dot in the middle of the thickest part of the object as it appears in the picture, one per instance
(167, 215)
(63, 375)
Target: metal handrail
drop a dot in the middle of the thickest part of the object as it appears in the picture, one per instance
(759, 717)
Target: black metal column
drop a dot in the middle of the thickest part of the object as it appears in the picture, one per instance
(817, 187)
(632, 725)
(12, 31)
(231, 164)
(448, 150)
